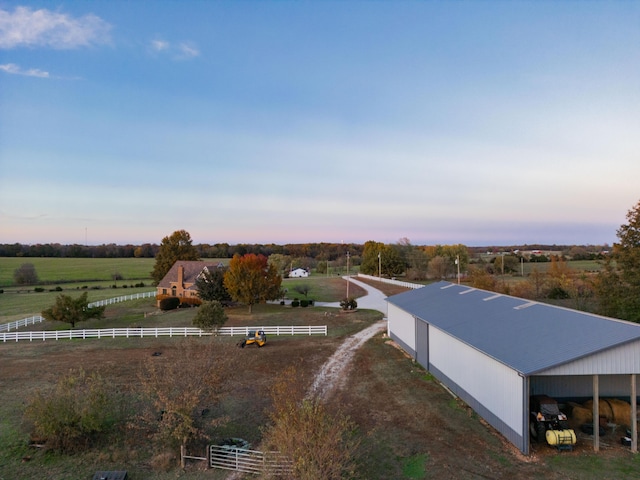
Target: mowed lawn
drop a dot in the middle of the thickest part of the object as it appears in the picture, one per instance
(53, 270)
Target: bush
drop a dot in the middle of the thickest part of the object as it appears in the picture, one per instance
(295, 303)
(38, 289)
(1, 290)
(75, 411)
(169, 303)
(558, 293)
(348, 303)
(304, 303)
(58, 288)
(140, 285)
(210, 316)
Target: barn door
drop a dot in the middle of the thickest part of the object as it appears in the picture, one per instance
(422, 343)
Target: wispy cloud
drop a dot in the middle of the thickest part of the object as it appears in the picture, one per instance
(180, 51)
(14, 69)
(188, 51)
(159, 45)
(25, 27)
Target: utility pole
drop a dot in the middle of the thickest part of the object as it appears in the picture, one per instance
(379, 265)
(458, 264)
(347, 274)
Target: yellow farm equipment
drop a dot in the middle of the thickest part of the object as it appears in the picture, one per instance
(257, 337)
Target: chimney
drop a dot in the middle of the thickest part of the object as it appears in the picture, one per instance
(181, 276)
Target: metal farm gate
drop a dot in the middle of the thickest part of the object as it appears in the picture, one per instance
(248, 461)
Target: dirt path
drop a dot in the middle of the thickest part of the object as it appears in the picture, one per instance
(334, 371)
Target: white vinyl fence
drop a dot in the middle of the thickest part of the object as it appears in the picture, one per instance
(158, 332)
(7, 327)
(392, 281)
(124, 298)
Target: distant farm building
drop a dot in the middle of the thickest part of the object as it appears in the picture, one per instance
(495, 351)
(298, 273)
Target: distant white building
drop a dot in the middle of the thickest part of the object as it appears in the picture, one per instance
(298, 273)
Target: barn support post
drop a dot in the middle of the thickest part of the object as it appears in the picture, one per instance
(596, 414)
(634, 415)
(526, 395)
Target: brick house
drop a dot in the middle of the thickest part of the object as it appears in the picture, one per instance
(180, 281)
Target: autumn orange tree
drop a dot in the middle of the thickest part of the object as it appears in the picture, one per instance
(250, 279)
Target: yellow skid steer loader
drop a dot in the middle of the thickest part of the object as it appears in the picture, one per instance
(257, 337)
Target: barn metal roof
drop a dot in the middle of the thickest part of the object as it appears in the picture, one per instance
(527, 336)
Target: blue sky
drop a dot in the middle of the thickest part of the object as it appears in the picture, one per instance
(482, 123)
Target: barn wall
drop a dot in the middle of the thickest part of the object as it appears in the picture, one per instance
(492, 389)
(402, 328)
(624, 359)
(422, 343)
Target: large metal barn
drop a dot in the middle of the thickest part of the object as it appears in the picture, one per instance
(494, 351)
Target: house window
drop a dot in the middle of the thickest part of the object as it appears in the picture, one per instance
(164, 291)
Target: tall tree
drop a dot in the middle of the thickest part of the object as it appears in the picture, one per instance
(369, 265)
(176, 247)
(25, 274)
(210, 285)
(281, 262)
(389, 262)
(251, 279)
(72, 310)
(618, 285)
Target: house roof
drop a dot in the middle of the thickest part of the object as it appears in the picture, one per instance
(527, 336)
(192, 268)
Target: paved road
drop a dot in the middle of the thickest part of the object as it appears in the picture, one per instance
(373, 300)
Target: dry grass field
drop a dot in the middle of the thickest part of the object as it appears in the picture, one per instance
(410, 426)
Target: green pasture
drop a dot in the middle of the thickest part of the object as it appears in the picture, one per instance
(588, 266)
(15, 305)
(64, 270)
(321, 288)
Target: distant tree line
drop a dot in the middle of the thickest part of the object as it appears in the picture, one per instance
(318, 251)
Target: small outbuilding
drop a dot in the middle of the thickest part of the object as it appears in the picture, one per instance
(495, 351)
(298, 273)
